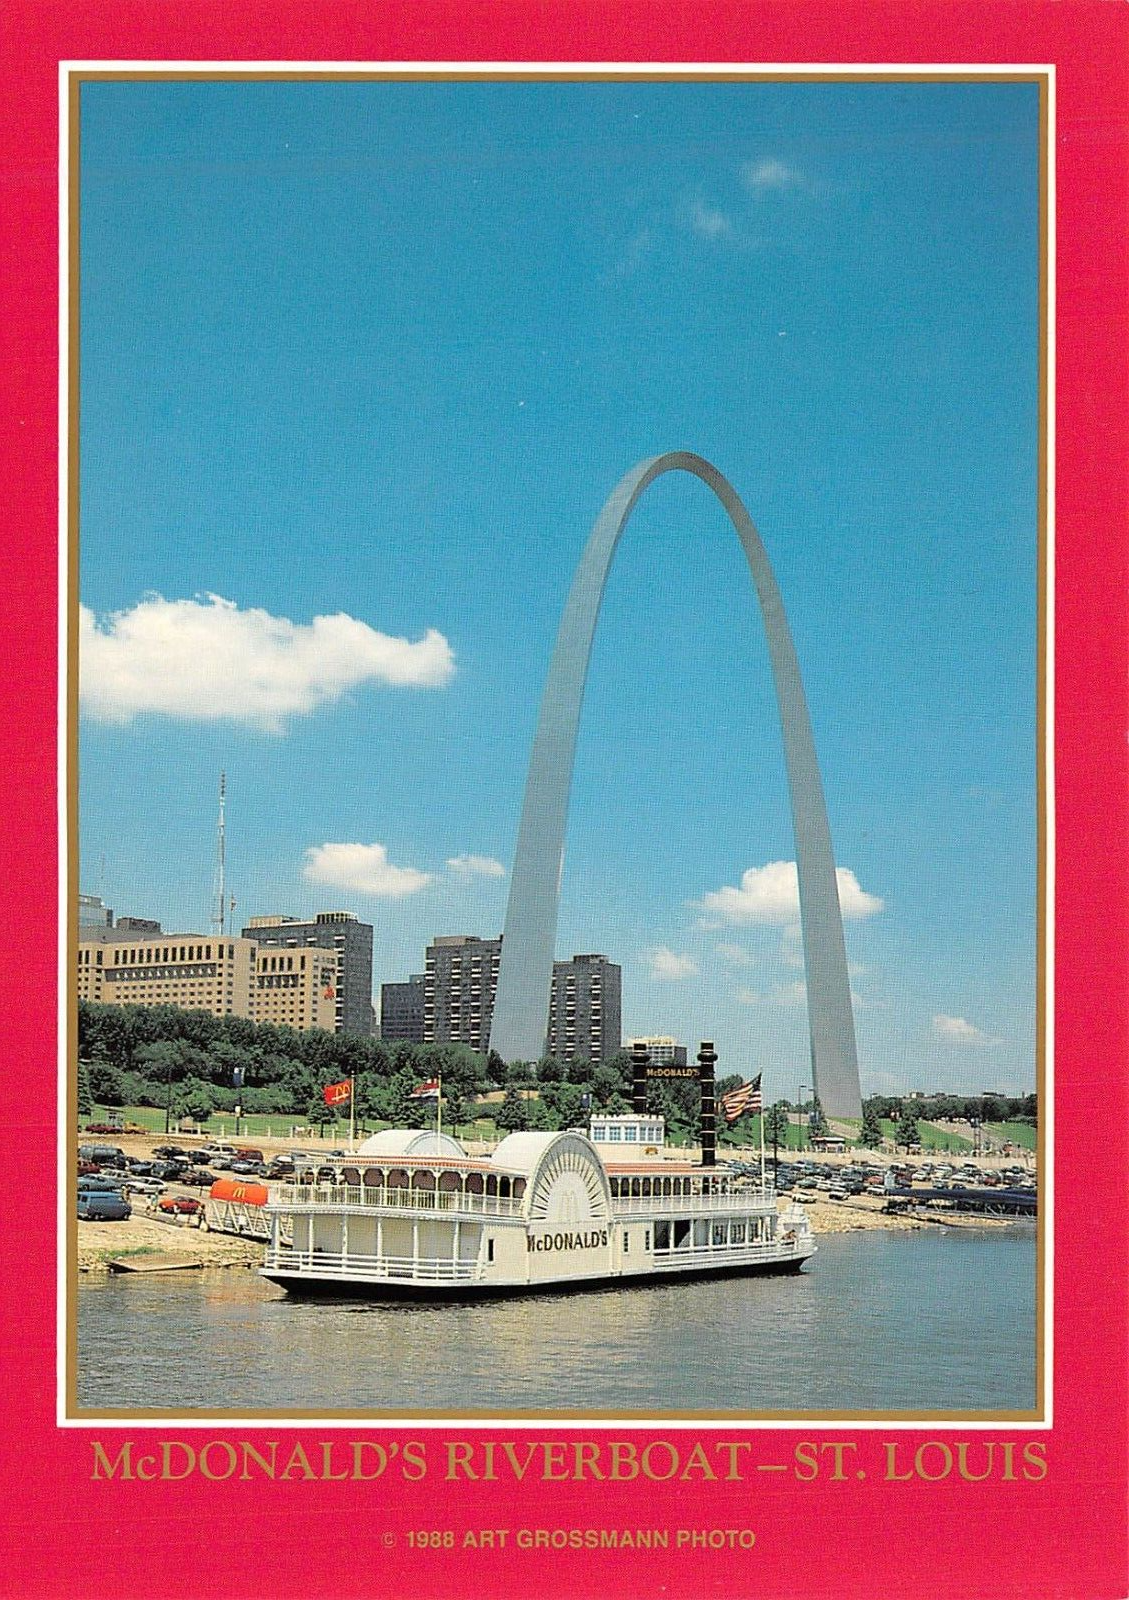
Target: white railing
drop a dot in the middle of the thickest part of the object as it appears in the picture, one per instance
(349, 1264)
(694, 1204)
(301, 1197)
(677, 1258)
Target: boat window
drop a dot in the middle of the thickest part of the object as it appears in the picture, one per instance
(736, 1233)
(662, 1235)
(719, 1233)
(646, 1186)
(448, 1181)
(491, 1184)
(423, 1180)
(647, 1240)
(351, 1176)
(519, 1188)
(636, 1186)
(474, 1183)
(681, 1232)
(397, 1178)
(373, 1178)
(626, 1242)
(504, 1188)
(489, 1249)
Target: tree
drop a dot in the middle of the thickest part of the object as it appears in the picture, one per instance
(85, 1102)
(513, 1113)
(776, 1123)
(872, 1128)
(906, 1132)
(817, 1123)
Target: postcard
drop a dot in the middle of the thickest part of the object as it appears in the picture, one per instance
(569, 666)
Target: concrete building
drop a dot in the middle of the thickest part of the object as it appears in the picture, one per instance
(461, 974)
(295, 987)
(92, 914)
(227, 976)
(584, 1008)
(461, 979)
(190, 970)
(351, 941)
(402, 1009)
(662, 1050)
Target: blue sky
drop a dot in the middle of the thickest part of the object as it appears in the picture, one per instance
(376, 354)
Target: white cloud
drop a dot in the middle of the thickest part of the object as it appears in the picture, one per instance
(770, 174)
(362, 868)
(667, 965)
(958, 1031)
(771, 894)
(206, 660)
(476, 867)
(709, 223)
(735, 955)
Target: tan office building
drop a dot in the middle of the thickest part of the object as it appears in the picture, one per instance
(194, 971)
(296, 987)
(227, 976)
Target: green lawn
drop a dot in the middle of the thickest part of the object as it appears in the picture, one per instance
(930, 1137)
(1017, 1133)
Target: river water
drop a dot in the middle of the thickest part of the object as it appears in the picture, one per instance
(928, 1320)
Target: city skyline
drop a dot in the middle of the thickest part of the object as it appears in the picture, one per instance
(365, 360)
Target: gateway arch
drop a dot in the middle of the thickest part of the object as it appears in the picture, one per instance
(521, 1007)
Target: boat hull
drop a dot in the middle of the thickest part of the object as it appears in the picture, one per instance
(313, 1286)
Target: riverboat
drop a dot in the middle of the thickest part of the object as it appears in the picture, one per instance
(411, 1213)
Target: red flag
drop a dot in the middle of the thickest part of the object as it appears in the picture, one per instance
(329, 992)
(338, 1094)
(426, 1091)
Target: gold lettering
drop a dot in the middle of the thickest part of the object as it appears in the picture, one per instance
(104, 1468)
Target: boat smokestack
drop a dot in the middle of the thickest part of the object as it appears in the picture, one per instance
(707, 1058)
(640, 1060)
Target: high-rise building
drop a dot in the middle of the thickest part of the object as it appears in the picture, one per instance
(402, 1008)
(350, 939)
(460, 983)
(584, 1009)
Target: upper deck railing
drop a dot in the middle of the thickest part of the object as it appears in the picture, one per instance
(730, 1200)
(302, 1196)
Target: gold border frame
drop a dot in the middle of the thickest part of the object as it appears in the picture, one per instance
(74, 76)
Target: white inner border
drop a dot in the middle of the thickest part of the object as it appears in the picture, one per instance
(1045, 757)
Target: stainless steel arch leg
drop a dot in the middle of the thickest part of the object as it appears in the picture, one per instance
(521, 1006)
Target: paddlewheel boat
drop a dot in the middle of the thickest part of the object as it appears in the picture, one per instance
(411, 1213)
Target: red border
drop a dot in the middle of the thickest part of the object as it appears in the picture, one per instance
(1064, 1535)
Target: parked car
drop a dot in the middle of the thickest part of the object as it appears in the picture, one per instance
(170, 1152)
(179, 1204)
(143, 1185)
(99, 1182)
(197, 1178)
(245, 1153)
(103, 1127)
(103, 1205)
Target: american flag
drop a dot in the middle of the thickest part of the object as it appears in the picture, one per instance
(745, 1098)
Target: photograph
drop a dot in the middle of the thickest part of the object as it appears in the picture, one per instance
(532, 954)
(566, 1012)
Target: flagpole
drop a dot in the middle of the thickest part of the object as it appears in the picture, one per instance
(439, 1110)
(762, 1140)
(352, 1111)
